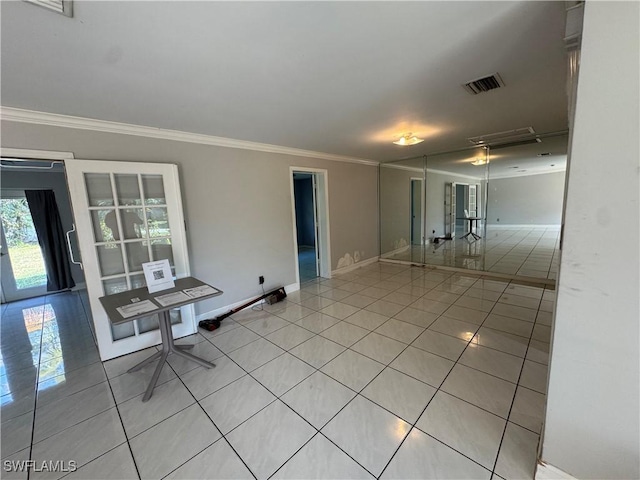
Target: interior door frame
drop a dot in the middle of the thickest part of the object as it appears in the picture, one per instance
(420, 218)
(31, 154)
(321, 195)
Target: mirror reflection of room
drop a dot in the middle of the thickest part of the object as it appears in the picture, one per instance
(495, 209)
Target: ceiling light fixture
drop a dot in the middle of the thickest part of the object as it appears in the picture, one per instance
(408, 139)
(479, 161)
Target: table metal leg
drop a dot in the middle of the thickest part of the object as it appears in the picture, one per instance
(167, 347)
(152, 358)
(193, 358)
(156, 374)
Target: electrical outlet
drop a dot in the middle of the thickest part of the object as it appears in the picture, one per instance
(261, 279)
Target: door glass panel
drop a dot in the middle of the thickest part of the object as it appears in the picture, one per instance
(104, 224)
(161, 249)
(176, 316)
(158, 222)
(110, 259)
(153, 190)
(146, 324)
(128, 189)
(99, 189)
(115, 285)
(137, 254)
(122, 330)
(137, 281)
(132, 223)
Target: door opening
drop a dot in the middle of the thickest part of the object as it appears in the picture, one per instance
(306, 231)
(310, 221)
(26, 183)
(416, 211)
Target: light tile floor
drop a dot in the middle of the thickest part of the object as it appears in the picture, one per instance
(412, 373)
(527, 251)
(307, 263)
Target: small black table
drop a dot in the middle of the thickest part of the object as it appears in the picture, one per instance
(112, 302)
(471, 221)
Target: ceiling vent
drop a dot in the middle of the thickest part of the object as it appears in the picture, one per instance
(484, 84)
(65, 7)
(508, 137)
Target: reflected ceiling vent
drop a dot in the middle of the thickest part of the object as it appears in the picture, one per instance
(519, 136)
(65, 7)
(484, 84)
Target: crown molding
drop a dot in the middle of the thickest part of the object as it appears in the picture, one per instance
(445, 172)
(12, 114)
(401, 167)
(430, 170)
(537, 172)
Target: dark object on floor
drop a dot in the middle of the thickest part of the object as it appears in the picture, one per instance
(209, 324)
(439, 239)
(271, 297)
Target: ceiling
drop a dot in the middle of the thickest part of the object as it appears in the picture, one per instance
(343, 78)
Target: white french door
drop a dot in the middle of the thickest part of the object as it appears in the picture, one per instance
(127, 214)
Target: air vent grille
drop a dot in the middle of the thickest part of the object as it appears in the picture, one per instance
(525, 134)
(65, 7)
(484, 84)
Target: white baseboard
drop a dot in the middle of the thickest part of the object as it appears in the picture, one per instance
(396, 251)
(514, 226)
(549, 472)
(354, 266)
(219, 311)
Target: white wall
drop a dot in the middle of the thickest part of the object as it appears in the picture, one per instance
(237, 203)
(593, 408)
(395, 206)
(530, 200)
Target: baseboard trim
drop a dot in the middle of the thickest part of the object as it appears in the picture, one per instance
(219, 311)
(544, 471)
(521, 279)
(396, 251)
(528, 226)
(354, 266)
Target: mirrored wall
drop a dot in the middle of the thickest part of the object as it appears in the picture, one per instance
(495, 209)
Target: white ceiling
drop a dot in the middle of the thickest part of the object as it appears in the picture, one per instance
(343, 78)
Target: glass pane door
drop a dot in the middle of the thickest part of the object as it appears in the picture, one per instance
(23, 268)
(128, 214)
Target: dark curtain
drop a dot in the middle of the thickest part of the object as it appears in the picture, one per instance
(46, 220)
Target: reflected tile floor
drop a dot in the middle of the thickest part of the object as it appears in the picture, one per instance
(526, 251)
(388, 371)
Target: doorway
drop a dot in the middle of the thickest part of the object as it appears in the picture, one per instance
(310, 221)
(30, 177)
(462, 197)
(416, 211)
